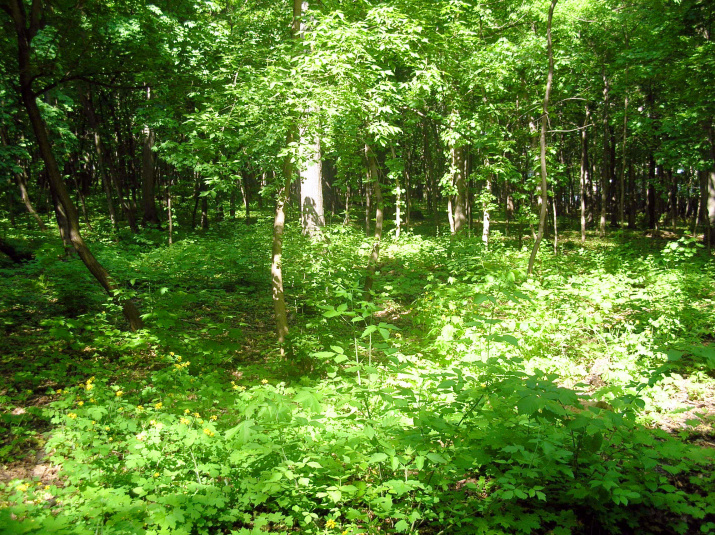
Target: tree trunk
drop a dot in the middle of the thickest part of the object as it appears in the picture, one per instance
(151, 216)
(460, 183)
(542, 140)
(604, 161)
(584, 172)
(65, 206)
(485, 212)
(375, 254)
(311, 189)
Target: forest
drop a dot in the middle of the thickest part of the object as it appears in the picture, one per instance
(357, 267)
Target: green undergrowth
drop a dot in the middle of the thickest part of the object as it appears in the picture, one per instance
(465, 397)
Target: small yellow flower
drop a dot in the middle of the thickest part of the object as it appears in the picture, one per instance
(185, 421)
(120, 409)
(264, 381)
(119, 393)
(59, 390)
(345, 532)
(72, 415)
(92, 400)
(214, 418)
(22, 488)
(158, 405)
(80, 403)
(330, 524)
(197, 415)
(208, 432)
(171, 353)
(94, 422)
(201, 420)
(110, 439)
(106, 428)
(88, 387)
(177, 366)
(187, 411)
(156, 474)
(47, 487)
(140, 408)
(178, 358)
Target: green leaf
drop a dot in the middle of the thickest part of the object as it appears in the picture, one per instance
(308, 400)
(378, 457)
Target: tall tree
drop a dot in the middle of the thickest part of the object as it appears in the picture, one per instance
(27, 28)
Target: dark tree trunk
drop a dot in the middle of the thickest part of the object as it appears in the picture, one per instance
(65, 207)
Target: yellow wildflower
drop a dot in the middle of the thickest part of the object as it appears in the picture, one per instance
(197, 415)
(187, 411)
(264, 381)
(120, 409)
(156, 474)
(185, 421)
(330, 524)
(140, 408)
(178, 358)
(88, 387)
(106, 428)
(158, 405)
(214, 418)
(72, 415)
(92, 400)
(59, 390)
(119, 393)
(22, 488)
(171, 353)
(110, 439)
(345, 532)
(80, 403)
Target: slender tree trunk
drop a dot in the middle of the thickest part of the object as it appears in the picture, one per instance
(151, 216)
(21, 181)
(585, 169)
(169, 210)
(398, 199)
(65, 206)
(542, 139)
(556, 228)
(346, 220)
(485, 213)
(375, 254)
(604, 161)
(710, 189)
(622, 181)
(460, 183)
(279, 305)
(278, 295)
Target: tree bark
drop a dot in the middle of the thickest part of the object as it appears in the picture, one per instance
(542, 140)
(585, 169)
(311, 189)
(150, 216)
(375, 253)
(65, 207)
(604, 161)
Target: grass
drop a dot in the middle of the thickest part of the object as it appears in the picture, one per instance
(461, 400)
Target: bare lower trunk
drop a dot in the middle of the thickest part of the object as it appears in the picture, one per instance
(486, 218)
(585, 169)
(375, 254)
(544, 124)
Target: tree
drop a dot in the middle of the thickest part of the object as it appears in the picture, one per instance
(542, 141)
(27, 29)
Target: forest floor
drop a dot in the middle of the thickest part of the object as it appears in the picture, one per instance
(619, 330)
